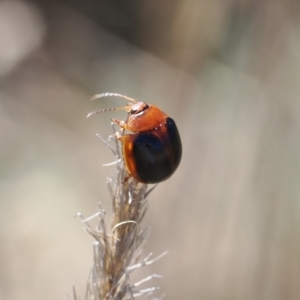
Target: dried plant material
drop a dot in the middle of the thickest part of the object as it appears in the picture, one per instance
(118, 248)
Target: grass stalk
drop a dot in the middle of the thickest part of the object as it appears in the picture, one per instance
(117, 249)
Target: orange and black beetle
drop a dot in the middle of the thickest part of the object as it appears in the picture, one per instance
(153, 152)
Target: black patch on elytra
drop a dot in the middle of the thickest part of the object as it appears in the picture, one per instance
(157, 152)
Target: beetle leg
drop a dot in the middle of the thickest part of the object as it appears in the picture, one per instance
(122, 124)
(126, 179)
(118, 136)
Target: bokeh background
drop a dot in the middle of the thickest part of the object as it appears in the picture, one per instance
(228, 72)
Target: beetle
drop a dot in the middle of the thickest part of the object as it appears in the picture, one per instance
(152, 152)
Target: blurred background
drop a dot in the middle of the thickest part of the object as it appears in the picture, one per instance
(227, 71)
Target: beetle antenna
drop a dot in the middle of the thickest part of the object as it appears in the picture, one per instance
(97, 96)
(101, 110)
